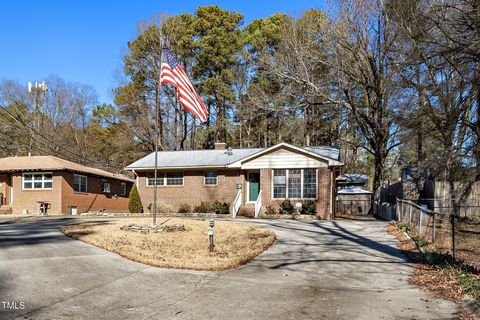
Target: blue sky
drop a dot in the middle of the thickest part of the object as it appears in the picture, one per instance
(84, 41)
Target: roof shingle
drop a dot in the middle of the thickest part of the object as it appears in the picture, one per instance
(35, 163)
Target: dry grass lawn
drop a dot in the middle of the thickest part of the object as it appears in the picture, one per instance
(235, 243)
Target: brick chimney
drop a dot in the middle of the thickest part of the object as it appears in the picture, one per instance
(220, 146)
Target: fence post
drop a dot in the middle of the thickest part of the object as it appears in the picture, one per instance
(397, 210)
(452, 219)
(410, 214)
(433, 234)
(420, 223)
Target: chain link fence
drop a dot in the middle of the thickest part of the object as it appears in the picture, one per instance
(446, 233)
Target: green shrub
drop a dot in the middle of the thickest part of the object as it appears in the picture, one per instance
(470, 284)
(270, 210)
(184, 208)
(309, 207)
(405, 227)
(134, 202)
(221, 207)
(286, 207)
(203, 207)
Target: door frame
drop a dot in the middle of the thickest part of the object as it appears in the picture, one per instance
(248, 185)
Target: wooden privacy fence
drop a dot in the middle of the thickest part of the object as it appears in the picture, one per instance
(443, 233)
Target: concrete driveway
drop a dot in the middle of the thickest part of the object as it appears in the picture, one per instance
(315, 270)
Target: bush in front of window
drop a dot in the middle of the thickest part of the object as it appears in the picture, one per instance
(203, 207)
(270, 210)
(286, 207)
(221, 207)
(184, 208)
(134, 202)
(309, 207)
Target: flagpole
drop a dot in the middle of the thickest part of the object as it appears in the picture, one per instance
(155, 170)
(155, 174)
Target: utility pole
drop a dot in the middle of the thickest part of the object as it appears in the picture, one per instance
(38, 91)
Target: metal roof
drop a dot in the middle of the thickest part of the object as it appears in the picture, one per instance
(353, 178)
(354, 190)
(212, 158)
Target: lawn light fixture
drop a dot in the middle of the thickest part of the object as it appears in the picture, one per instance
(298, 206)
(210, 233)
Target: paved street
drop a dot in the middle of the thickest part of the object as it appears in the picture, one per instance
(315, 270)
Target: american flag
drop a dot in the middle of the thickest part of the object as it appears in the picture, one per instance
(173, 73)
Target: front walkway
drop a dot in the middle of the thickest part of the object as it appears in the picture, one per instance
(334, 270)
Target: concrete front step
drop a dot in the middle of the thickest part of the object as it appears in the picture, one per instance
(247, 211)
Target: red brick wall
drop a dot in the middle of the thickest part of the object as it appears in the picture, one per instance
(27, 199)
(323, 191)
(62, 196)
(192, 192)
(94, 199)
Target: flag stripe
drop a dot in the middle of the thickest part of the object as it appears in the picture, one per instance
(186, 85)
(172, 73)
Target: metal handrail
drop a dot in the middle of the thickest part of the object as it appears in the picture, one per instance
(258, 204)
(237, 203)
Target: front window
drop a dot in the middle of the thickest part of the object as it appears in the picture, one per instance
(174, 178)
(210, 178)
(309, 183)
(105, 186)
(279, 184)
(123, 188)
(79, 183)
(294, 184)
(151, 179)
(37, 181)
(165, 179)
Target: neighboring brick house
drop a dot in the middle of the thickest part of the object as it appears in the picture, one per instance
(239, 176)
(28, 184)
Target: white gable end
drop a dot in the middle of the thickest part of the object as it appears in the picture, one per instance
(283, 159)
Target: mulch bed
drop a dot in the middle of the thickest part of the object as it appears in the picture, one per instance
(434, 279)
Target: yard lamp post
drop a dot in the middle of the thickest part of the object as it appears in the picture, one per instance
(210, 233)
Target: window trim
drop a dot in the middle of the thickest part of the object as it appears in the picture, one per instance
(123, 188)
(86, 182)
(163, 176)
(32, 181)
(287, 173)
(210, 185)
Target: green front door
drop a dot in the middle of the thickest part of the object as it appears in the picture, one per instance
(253, 186)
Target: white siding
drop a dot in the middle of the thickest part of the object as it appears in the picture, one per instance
(284, 159)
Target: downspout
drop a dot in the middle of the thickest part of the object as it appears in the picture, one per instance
(330, 213)
(136, 178)
(333, 191)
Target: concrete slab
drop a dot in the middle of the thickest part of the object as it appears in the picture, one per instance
(315, 270)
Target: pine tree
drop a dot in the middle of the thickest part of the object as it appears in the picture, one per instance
(134, 202)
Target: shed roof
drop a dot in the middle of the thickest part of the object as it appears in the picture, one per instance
(353, 178)
(213, 158)
(52, 163)
(354, 190)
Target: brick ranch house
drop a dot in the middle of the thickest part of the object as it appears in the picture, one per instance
(248, 179)
(27, 184)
